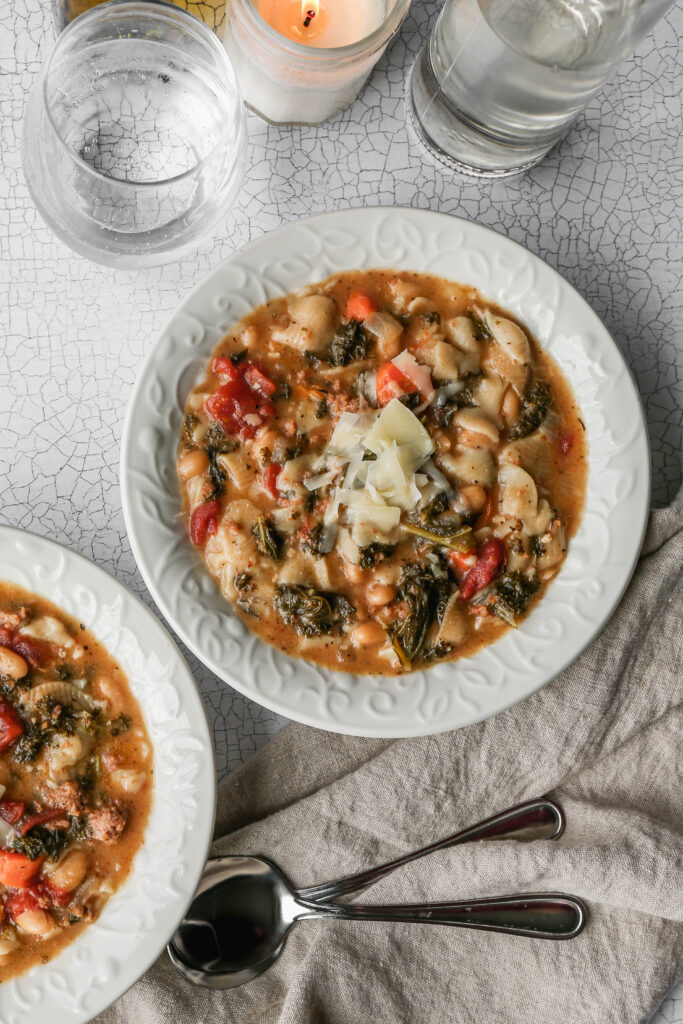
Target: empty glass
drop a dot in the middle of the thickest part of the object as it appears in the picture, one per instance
(498, 82)
(134, 136)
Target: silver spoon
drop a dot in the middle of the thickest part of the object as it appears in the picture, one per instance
(534, 819)
(243, 909)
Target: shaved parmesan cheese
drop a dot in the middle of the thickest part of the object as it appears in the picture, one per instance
(397, 425)
(370, 520)
(348, 548)
(349, 431)
(355, 464)
(374, 492)
(386, 473)
(415, 372)
(321, 480)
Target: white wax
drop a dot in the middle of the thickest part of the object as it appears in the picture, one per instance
(291, 90)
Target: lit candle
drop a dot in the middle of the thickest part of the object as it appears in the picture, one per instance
(302, 61)
(322, 23)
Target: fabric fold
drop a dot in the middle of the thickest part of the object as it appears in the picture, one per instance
(604, 739)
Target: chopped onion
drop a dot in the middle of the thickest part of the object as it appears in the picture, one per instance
(447, 391)
(7, 834)
(384, 327)
(437, 476)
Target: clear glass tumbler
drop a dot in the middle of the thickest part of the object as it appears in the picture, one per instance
(498, 82)
(134, 134)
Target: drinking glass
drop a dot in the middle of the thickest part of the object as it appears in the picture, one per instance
(134, 135)
(498, 82)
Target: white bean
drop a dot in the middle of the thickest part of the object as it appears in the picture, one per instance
(128, 779)
(35, 922)
(12, 664)
(370, 634)
(192, 463)
(70, 871)
(379, 594)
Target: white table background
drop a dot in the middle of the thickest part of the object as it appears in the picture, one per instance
(605, 209)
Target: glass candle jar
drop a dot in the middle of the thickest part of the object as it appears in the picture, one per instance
(134, 137)
(288, 82)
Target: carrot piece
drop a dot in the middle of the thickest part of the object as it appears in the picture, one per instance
(391, 383)
(359, 306)
(461, 561)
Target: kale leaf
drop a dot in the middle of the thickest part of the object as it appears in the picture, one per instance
(535, 407)
(311, 612)
(268, 540)
(426, 596)
(350, 342)
(481, 331)
(513, 593)
(216, 439)
(443, 412)
(375, 553)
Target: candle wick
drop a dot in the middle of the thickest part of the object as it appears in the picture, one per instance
(310, 15)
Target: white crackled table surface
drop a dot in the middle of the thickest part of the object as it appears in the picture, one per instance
(605, 209)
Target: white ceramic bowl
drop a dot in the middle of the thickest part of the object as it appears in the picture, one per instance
(601, 555)
(139, 919)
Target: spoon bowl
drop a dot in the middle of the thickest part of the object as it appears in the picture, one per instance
(237, 923)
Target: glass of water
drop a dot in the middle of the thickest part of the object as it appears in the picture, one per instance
(498, 82)
(134, 135)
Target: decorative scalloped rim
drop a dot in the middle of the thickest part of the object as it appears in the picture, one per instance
(111, 954)
(601, 557)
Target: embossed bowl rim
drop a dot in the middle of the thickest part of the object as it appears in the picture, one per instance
(602, 554)
(115, 951)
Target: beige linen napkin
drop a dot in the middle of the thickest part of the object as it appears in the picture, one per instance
(604, 739)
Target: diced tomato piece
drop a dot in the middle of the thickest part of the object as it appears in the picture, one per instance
(11, 726)
(204, 522)
(565, 442)
(16, 870)
(270, 478)
(12, 811)
(224, 366)
(41, 895)
(254, 375)
(17, 902)
(490, 561)
(35, 651)
(234, 401)
(38, 819)
(258, 380)
(359, 306)
(391, 383)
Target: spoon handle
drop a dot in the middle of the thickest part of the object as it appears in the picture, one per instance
(535, 819)
(546, 915)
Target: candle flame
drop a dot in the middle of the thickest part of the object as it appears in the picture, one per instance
(309, 9)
